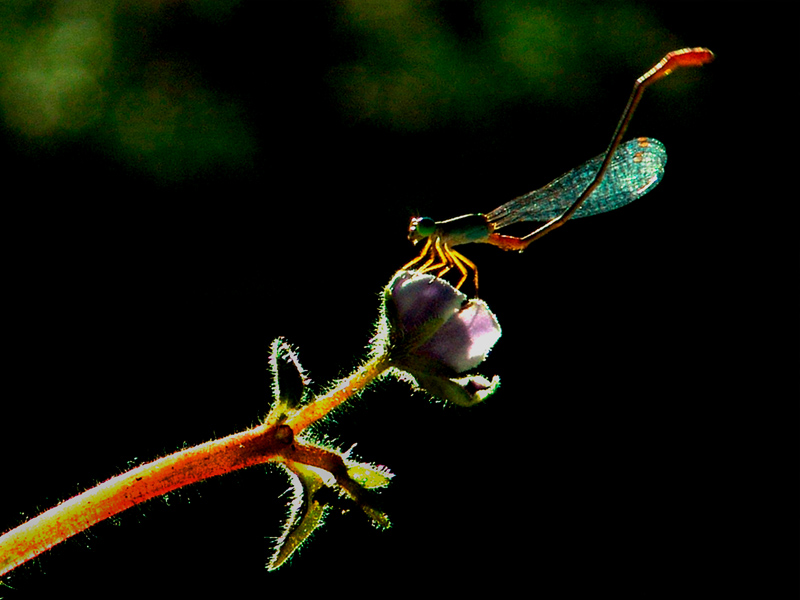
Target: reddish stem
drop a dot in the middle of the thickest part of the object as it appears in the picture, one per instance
(344, 390)
(217, 457)
(269, 441)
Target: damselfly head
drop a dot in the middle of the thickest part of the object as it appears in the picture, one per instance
(420, 228)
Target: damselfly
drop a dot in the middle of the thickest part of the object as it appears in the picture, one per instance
(615, 178)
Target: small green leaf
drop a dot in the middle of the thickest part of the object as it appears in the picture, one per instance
(464, 391)
(370, 476)
(307, 512)
(289, 380)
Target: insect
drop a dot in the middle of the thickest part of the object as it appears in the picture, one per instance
(623, 173)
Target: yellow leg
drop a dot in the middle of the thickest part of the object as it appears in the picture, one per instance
(438, 251)
(420, 257)
(447, 260)
(438, 255)
(452, 261)
(462, 262)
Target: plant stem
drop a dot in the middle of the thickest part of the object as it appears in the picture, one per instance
(237, 451)
(344, 390)
(269, 441)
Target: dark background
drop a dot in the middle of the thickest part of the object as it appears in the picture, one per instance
(248, 172)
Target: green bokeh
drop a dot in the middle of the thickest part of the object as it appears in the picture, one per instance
(91, 70)
(416, 69)
(84, 70)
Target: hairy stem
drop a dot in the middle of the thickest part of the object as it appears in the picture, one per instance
(344, 390)
(269, 441)
(217, 457)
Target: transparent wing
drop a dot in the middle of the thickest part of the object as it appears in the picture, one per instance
(636, 168)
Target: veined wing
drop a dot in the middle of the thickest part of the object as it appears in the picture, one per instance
(636, 168)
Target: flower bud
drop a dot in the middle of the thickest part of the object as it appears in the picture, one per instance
(435, 334)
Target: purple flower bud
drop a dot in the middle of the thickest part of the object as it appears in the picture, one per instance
(435, 333)
(464, 340)
(420, 298)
